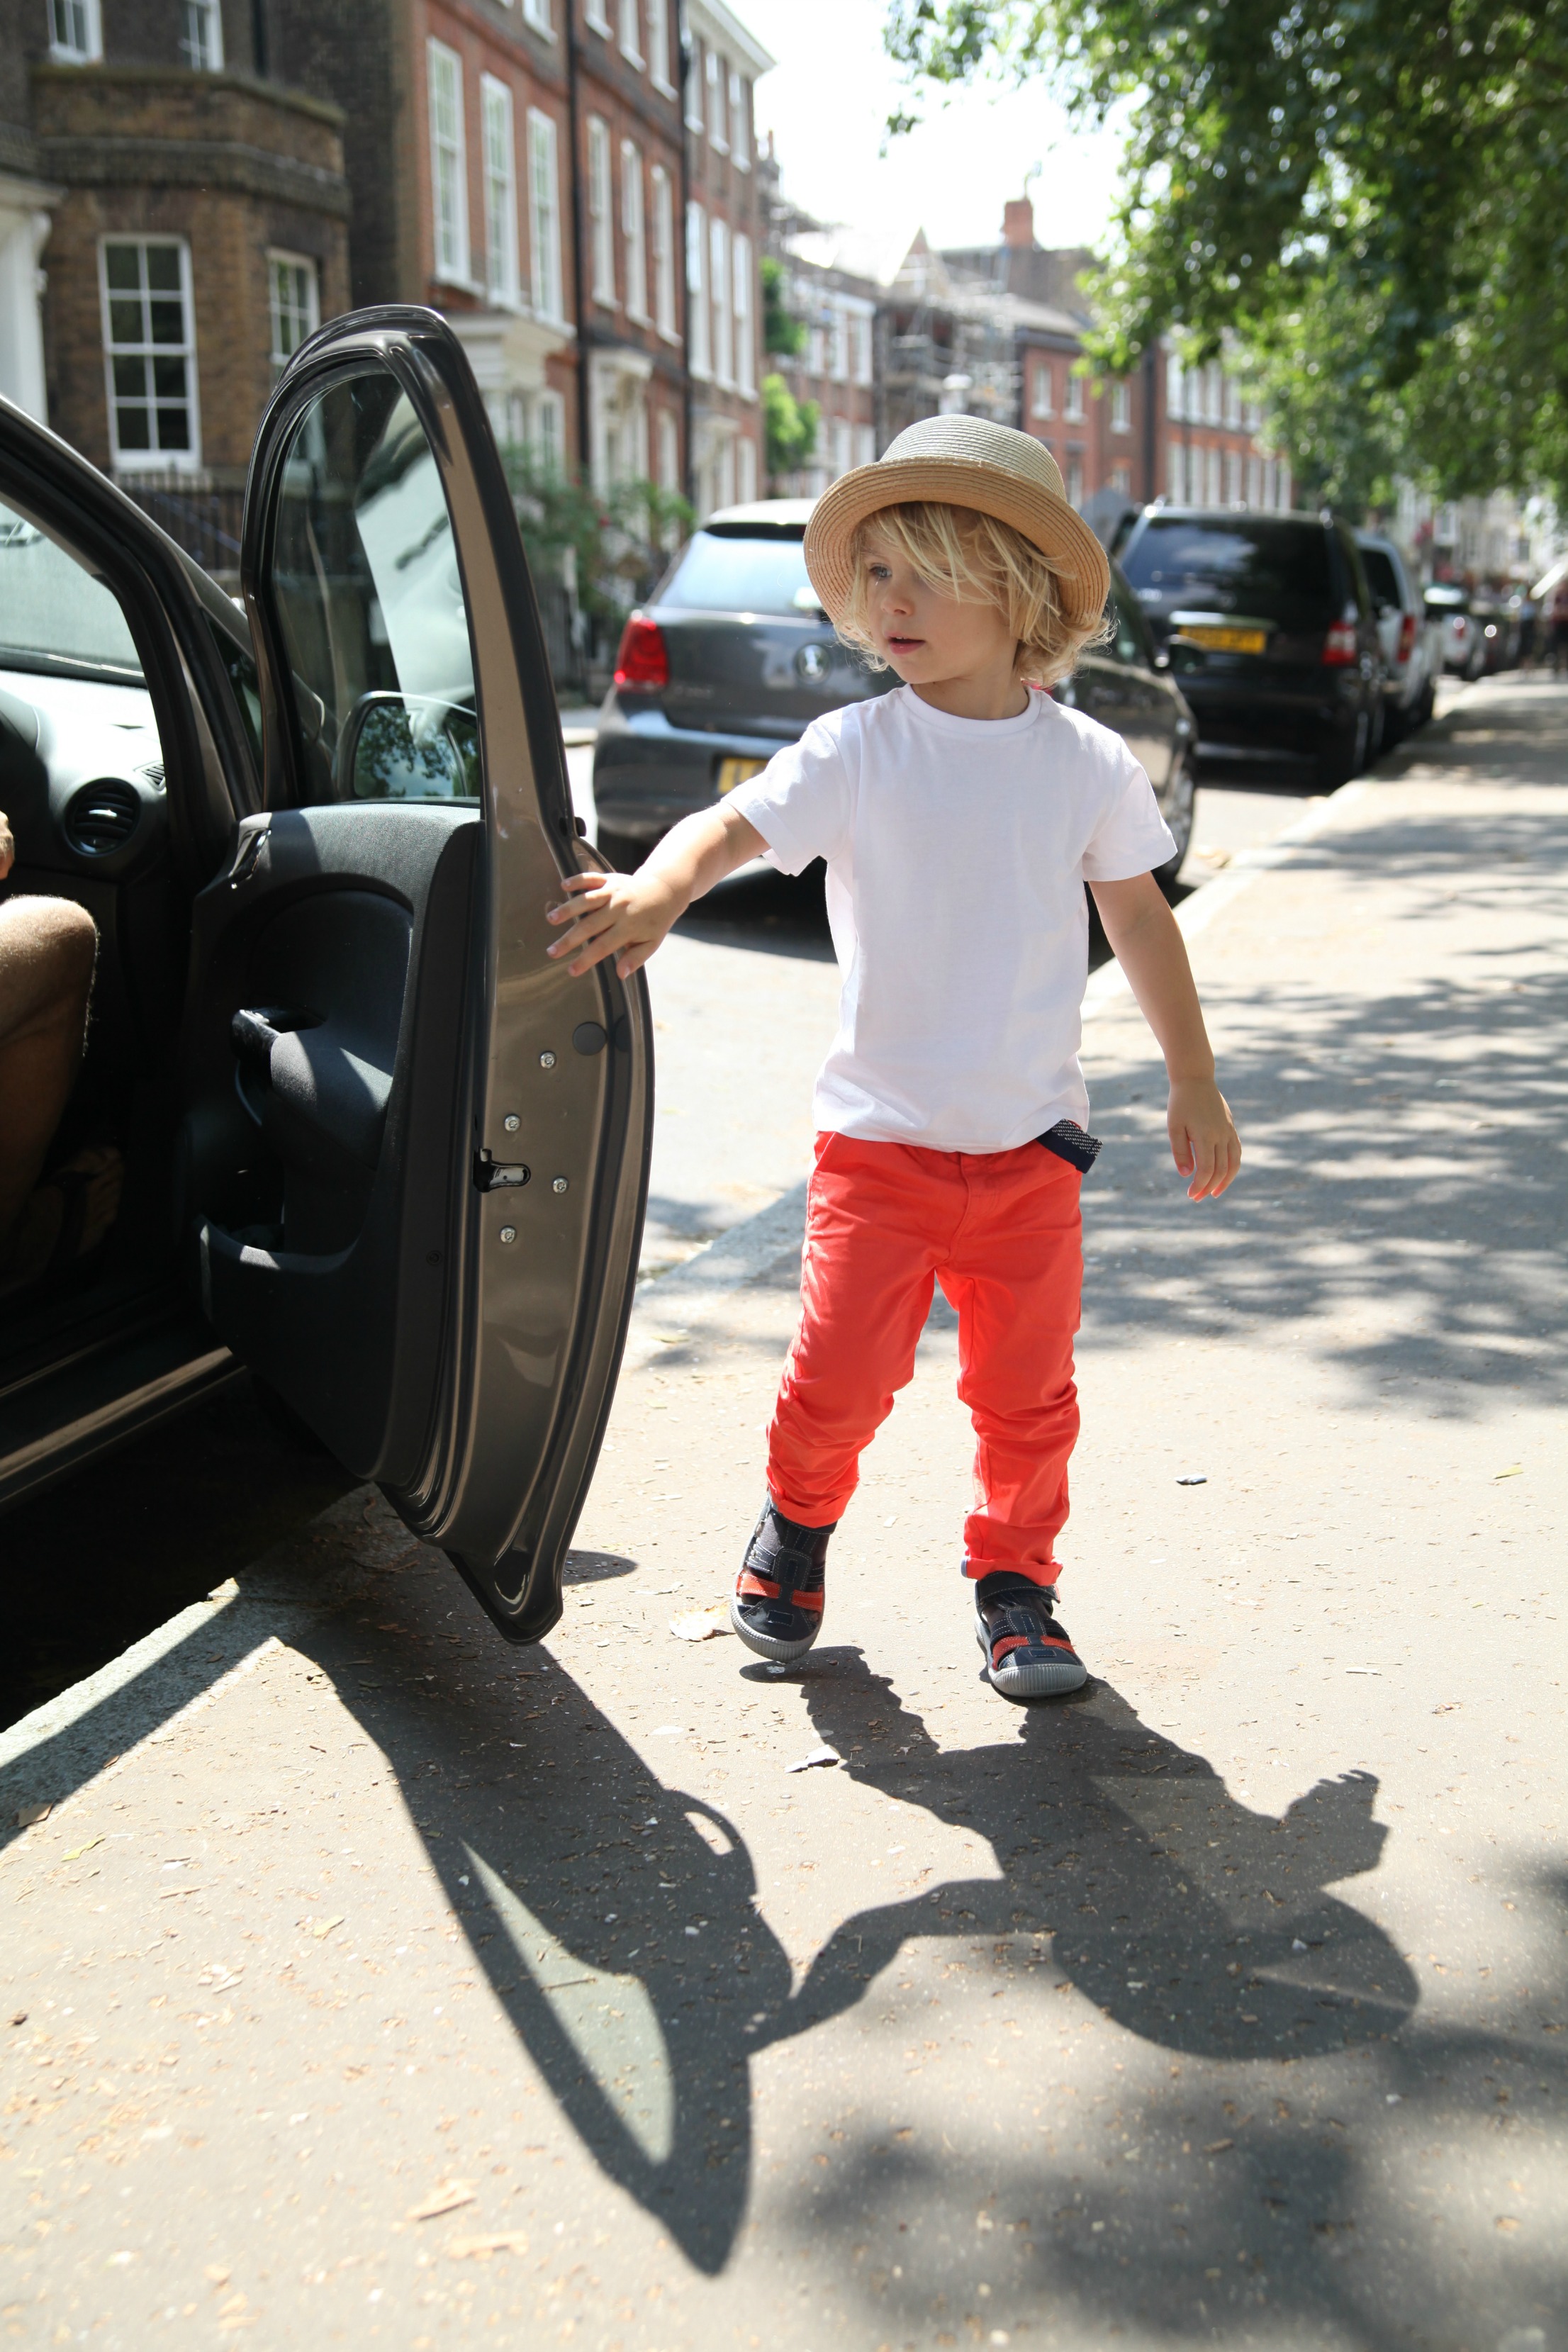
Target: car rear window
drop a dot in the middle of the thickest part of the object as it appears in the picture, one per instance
(734, 572)
(1381, 575)
(1251, 565)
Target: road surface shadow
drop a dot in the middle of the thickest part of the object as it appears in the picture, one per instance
(617, 1916)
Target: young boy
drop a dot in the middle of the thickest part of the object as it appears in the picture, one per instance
(960, 818)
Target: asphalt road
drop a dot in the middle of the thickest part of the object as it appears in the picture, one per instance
(376, 1984)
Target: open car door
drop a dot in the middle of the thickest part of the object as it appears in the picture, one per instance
(417, 1149)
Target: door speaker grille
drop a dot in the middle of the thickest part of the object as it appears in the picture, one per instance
(103, 817)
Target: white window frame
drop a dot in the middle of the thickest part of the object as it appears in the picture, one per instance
(634, 232)
(723, 303)
(594, 16)
(695, 85)
(1176, 468)
(661, 224)
(1216, 484)
(307, 314)
(201, 43)
(184, 461)
(740, 122)
(744, 309)
(745, 470)
(546, 286)
(1073, 411)
(601, 214)
(497, 133)
(718, 80)
(448, 153)
(536, 16)
(669, 450)
(1122, 407)
(1073, 480)
(631, 32)
(1042, 392)
(865, 444)
(658, 47)
(76, 15)
(699, 357)
(1176, 388)
(548, 437)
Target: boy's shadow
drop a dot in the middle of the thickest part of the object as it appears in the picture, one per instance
(1191, 1920)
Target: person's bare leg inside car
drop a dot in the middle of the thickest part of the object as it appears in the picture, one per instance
(47, 948)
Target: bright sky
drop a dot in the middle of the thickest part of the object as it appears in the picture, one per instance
(827, 100)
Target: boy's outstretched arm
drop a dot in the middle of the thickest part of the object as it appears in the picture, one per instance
(627, 915)
(1148, 945)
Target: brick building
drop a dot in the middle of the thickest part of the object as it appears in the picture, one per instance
(1187, 435)
(724, 229)
(836, 308)
(192, 219)
(627, 63)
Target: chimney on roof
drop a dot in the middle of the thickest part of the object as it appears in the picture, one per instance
(1018, 223)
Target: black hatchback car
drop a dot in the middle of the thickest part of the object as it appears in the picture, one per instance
(733, 657)
(1275, 630)
(375, 1146)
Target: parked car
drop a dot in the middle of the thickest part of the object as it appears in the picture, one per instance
(732, 656)
(1501, 622)
(1412, 641)
(1271, 624)
(1464, 647)
(376, 1148)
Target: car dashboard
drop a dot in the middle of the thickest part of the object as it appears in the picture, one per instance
(81, 776)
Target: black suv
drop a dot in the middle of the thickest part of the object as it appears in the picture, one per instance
(1271, 623)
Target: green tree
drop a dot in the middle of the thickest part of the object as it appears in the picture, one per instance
(782, 331)
(789, 428)
(611, 544)
(1297, 169)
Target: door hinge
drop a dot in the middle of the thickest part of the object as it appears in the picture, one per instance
(498, 1175)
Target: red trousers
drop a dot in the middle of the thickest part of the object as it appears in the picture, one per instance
(1001, 1232)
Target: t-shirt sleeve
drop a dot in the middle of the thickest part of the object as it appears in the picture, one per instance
(1131, 837)
(800, 803)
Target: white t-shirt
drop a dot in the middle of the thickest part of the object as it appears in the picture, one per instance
(957, 850)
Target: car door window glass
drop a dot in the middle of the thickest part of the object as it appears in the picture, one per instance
(54, 615)
(371, 605)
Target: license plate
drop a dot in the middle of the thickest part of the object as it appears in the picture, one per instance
(738, 772)
(1228, 641)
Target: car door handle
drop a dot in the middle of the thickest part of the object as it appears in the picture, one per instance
(256, 1029)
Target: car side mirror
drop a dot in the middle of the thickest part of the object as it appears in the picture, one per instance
(415, 746)
(1184, 655)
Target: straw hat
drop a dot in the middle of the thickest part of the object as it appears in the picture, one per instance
(963, 461)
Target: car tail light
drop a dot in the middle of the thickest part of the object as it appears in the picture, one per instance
(643, 663)
(1407, 639)
(1340, 646)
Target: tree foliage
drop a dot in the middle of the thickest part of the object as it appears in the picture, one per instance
(609, 545)
(782, 331)
(789, 428)
(1370, 195)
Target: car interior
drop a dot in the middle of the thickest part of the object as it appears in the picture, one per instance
(82, 788)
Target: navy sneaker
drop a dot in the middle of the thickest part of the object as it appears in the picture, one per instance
(776, 1606)
(1027, 1651)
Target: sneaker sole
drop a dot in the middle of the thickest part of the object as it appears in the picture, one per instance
(782, 1654)
(1048, 1678)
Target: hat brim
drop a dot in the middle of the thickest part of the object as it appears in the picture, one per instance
(1046, 520)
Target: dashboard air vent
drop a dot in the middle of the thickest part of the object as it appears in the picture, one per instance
(101, 818)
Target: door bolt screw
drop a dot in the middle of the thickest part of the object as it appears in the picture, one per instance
(547, 1061)
(558, 1184)
(511, 1122)
(508, 1233)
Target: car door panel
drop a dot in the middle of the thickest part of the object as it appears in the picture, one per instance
(417, 1149)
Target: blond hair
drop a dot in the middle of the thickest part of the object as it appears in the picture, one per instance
(976, 558)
